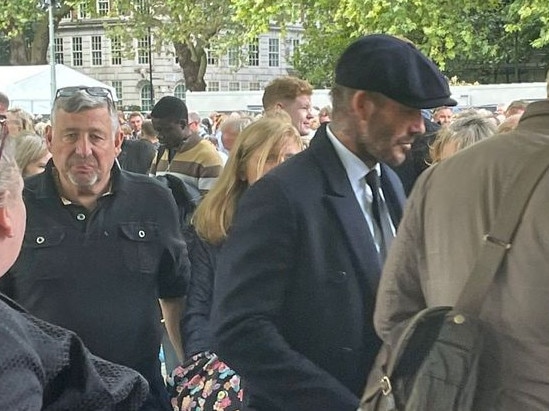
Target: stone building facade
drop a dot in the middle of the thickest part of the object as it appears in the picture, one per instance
(81, 42)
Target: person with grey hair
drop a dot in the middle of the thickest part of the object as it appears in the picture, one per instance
(43, 366)
(195, 124)
(102, 244)
(230, 130)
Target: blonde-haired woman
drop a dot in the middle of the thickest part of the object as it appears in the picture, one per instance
(31, 154)
(18, 121)
(461, 133)
(259, 148)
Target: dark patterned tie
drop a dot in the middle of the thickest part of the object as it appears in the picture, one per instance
(381, 213)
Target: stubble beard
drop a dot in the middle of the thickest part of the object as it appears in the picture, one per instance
(83, 180)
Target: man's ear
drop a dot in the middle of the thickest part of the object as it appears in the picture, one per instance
(6, 226)
(362, 104)
(118, 139)
(48, 134)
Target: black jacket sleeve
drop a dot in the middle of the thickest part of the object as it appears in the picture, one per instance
(43, 366)
(196, 329)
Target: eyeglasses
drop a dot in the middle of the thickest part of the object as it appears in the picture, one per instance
(92, 91)
(4, 133)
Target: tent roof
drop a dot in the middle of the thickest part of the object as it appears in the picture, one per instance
(28, 87)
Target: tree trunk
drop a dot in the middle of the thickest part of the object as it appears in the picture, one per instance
(40, 43)
(18, 51)
(23, 53)
(193, 66)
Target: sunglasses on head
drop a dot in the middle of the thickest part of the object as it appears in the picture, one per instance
(92, 91)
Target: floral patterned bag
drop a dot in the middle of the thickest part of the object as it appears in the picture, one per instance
(205, 383)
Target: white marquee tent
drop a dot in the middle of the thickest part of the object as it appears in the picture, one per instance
(29, 87)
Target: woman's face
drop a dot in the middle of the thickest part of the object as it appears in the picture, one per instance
(288, 150)
(37, 166)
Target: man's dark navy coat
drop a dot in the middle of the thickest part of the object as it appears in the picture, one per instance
(295, 287)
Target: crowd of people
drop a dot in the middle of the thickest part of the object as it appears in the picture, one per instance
(301, 257)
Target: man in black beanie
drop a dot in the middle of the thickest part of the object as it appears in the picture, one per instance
(185, 154)
(297, 277)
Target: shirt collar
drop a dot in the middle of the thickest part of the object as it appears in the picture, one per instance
(355, 168)
(50, 183)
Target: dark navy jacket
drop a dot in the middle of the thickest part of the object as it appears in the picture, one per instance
(296, 283)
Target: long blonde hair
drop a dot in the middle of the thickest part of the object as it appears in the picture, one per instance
(213, 217)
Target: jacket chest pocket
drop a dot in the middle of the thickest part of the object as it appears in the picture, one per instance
(40, 248)
(140, 247)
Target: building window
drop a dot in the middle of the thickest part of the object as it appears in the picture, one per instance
(143, 50)
(117, 85)
(83, 12)
(253, 53)
(102, 7)
(274, 53)
(180, 92)
(116, 51)
(233, 57)
(97, 50)
(77, 51)
(146, 104)
(234, 86)
(212, 57)
(254, 86)
(294, 45)
(58, 46)
(213, 85)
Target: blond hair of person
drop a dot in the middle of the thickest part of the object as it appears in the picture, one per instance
(21, 119)
(29, 148)
(278, 113)
(10, 177)
(41, 127)
(461, 133)
(267, 136)
(283, 89)
(509, 124)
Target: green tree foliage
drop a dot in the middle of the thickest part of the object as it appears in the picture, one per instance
(478, 35)
(24, 29)
(187, 24)
(452, 33)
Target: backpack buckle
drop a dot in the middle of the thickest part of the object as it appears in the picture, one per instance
(386, 387)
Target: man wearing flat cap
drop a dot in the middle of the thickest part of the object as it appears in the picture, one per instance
(297, 277)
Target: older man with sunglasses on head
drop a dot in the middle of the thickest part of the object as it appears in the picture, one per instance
(102, 245)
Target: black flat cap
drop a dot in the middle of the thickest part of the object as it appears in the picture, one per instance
(394, 68)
